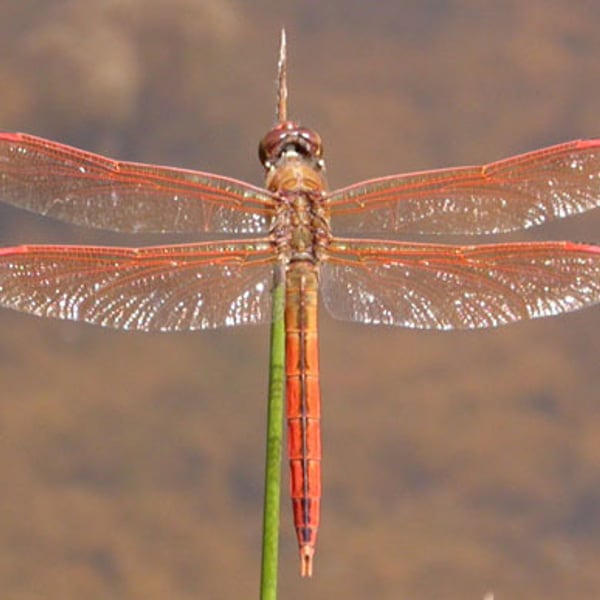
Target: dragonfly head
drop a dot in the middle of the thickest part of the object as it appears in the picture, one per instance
(289, 136)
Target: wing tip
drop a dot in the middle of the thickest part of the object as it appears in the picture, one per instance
(588, 143)
(12, 136)
(588, 248)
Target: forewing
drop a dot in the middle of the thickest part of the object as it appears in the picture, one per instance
(163, 288)
(510, 194)
(87, 189)
(427, 286)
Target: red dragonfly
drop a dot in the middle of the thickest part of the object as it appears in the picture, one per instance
(287, 229)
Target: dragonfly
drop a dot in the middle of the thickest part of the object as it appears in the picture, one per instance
(295, 228)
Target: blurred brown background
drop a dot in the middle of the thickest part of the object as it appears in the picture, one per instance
(131, 465)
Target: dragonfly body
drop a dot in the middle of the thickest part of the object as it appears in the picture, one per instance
(291, 156)
(291, 229)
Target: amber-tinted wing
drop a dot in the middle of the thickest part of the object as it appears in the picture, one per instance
(163, 288)
(87, 189)
(429, 286)
(510, 194)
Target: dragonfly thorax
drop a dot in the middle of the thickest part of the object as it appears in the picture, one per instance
(301, 228)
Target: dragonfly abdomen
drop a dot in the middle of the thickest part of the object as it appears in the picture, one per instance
(303, 405)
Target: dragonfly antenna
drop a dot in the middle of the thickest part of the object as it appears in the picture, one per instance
(282, 81)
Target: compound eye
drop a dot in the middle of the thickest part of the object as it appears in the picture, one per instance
(311, 142)
(263, 153)
(272, 144)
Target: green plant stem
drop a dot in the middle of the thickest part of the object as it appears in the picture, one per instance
(270, 541)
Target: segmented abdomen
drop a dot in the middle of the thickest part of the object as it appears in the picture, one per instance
(303, 397)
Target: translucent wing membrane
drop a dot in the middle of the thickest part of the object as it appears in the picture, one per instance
(163, 288)
(510, 194)
(87, 189)
(428, 286)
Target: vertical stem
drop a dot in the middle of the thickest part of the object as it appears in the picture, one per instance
(282, 91)
(270, 541)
